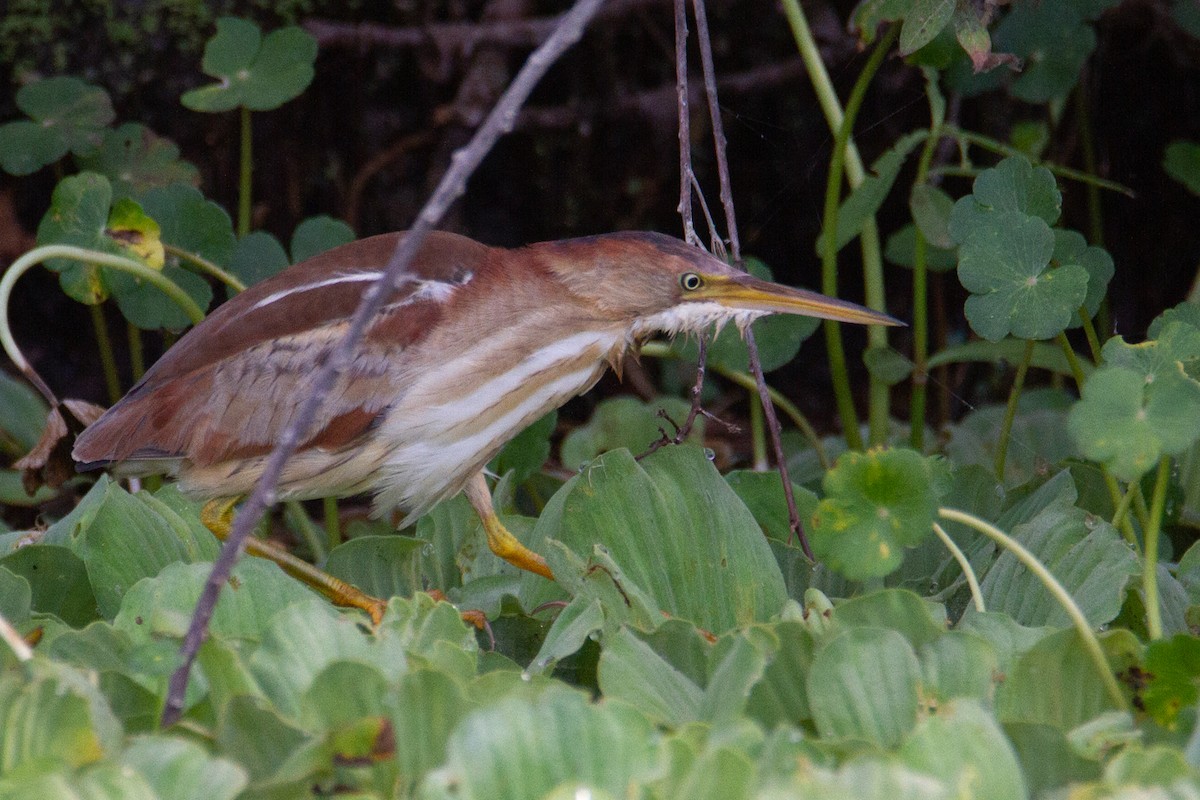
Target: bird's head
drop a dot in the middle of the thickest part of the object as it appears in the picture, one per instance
(655, 283)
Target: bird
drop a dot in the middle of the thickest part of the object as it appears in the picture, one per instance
(472, 345)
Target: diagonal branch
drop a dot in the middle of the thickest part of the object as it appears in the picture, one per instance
(464, 162)
(764, 394)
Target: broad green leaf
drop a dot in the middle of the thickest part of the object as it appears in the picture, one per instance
(1031, 137)
(869, 195)
(886, 364)
(782, 695)
(53, 716)
(1039, 437)
(381, 566)
(65, 114)
(315, 235)
(258, 255)
(78, 215)
(762, 492)
(1128, 424)
(59, 581)
(630, 670)
(1091, 561)
(1181, 160)
(1054, 683)
(179, 769)
(426, 707)
(864, 684)
(862, 779)
(1013, 185)
(963, 746)
(931, 207)
(104, 781)
(1054, 42)
(896, 609)
(1155, 765)
(1173, 666)
(135, 160)
(1071, 248)
(1009, 639)
(16, 597)
(924, 20)
(959, 664)
(1045, 356)
(526, 452)
(572, 628)
(1004, 262)
(707, 560)
(252, 71)
(901, 249)
(259, 740)
(191, 223)
(520, 748)
(22, 414)
(876, 504)
(1176, 344)
(738, 663)
(717, 772)
(1048, 761)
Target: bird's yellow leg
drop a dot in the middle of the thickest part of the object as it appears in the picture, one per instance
(217, 516)
(501, 542)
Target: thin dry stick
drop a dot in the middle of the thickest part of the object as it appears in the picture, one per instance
(764, 395)
(452, 185)
(685, 128)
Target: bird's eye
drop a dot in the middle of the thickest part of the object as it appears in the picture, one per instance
(690, 281)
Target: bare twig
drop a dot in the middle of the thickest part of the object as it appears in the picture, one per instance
(764, 395)
(685, 126)
(453, 184)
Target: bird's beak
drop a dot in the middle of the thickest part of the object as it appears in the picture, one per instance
(752, 294)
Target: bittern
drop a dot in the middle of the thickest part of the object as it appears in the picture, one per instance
(473, 344)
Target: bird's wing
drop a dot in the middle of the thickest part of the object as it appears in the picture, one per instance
(231, 386)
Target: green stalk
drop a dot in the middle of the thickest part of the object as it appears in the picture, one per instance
(964, 565)
(137, 354)
(245, 175)
(1123, 507)
(108, 362)
(1089, 330)
(879, 394)
(829, 269)
(1060, 594)
(333, 523)
(206, 266)
(920, 318)
(1087, 142)
(758, 434)
(1158, 502)
(295, 514)
(1010, 412)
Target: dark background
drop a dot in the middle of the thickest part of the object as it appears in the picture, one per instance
(595, 150)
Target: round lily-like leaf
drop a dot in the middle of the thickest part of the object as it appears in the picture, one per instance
(1053, 40)
(255, 72)
(876, 504)
(191, 223)
(66, 115)
(1175, 344)
(1016, 185)
(257, 256)
(1127, 423)
(317, 234)
(136, 159)
(1004, 263)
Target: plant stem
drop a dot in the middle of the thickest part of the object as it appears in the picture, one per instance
(333, 522)
(12, 637)
(999, 147)
(1010, 412)
(920, 313)
(108, 362)
(308, 530)
(829, 269)
(1087, 142)
(137, 353)
(1123, 508)
(1089, 330)
(245, 174)
(964, 565)
(1150, 556)
(1072, 361)
(206, 266)
(758, 434)
(1060, 594)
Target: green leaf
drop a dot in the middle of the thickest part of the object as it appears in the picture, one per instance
(1013, 185)
(630, 670)
(1176, 344)
(520, 748)
(970, 29)
(897, 609)
(1047, 759)
(762, 492)
(257, 256)
(876, 504)
(625, 422)
(58, 579)
(925, 20)
(315, 235)
(781, 695)
(707, 560)
(1089, 559)
(863, 684)
(901, 249)
(959, 664)
(1054, 42)
(426, 707)
(886, 364)
(255, 72)
(1181, 161)
(66, 115)
(1071, 248)
(16, 598)
(869, 195)
(1045, 356)
(78, 215)
(135, 160)
(964, 747)
(381, 566)
(526, 452)
(1173, 666)
(191, 223)
(931, 207)
(22, 413)
(1127, 423)
(182, 770)
(1004, 263)
(261, 741)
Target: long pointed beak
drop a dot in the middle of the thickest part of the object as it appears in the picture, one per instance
(752, 294)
